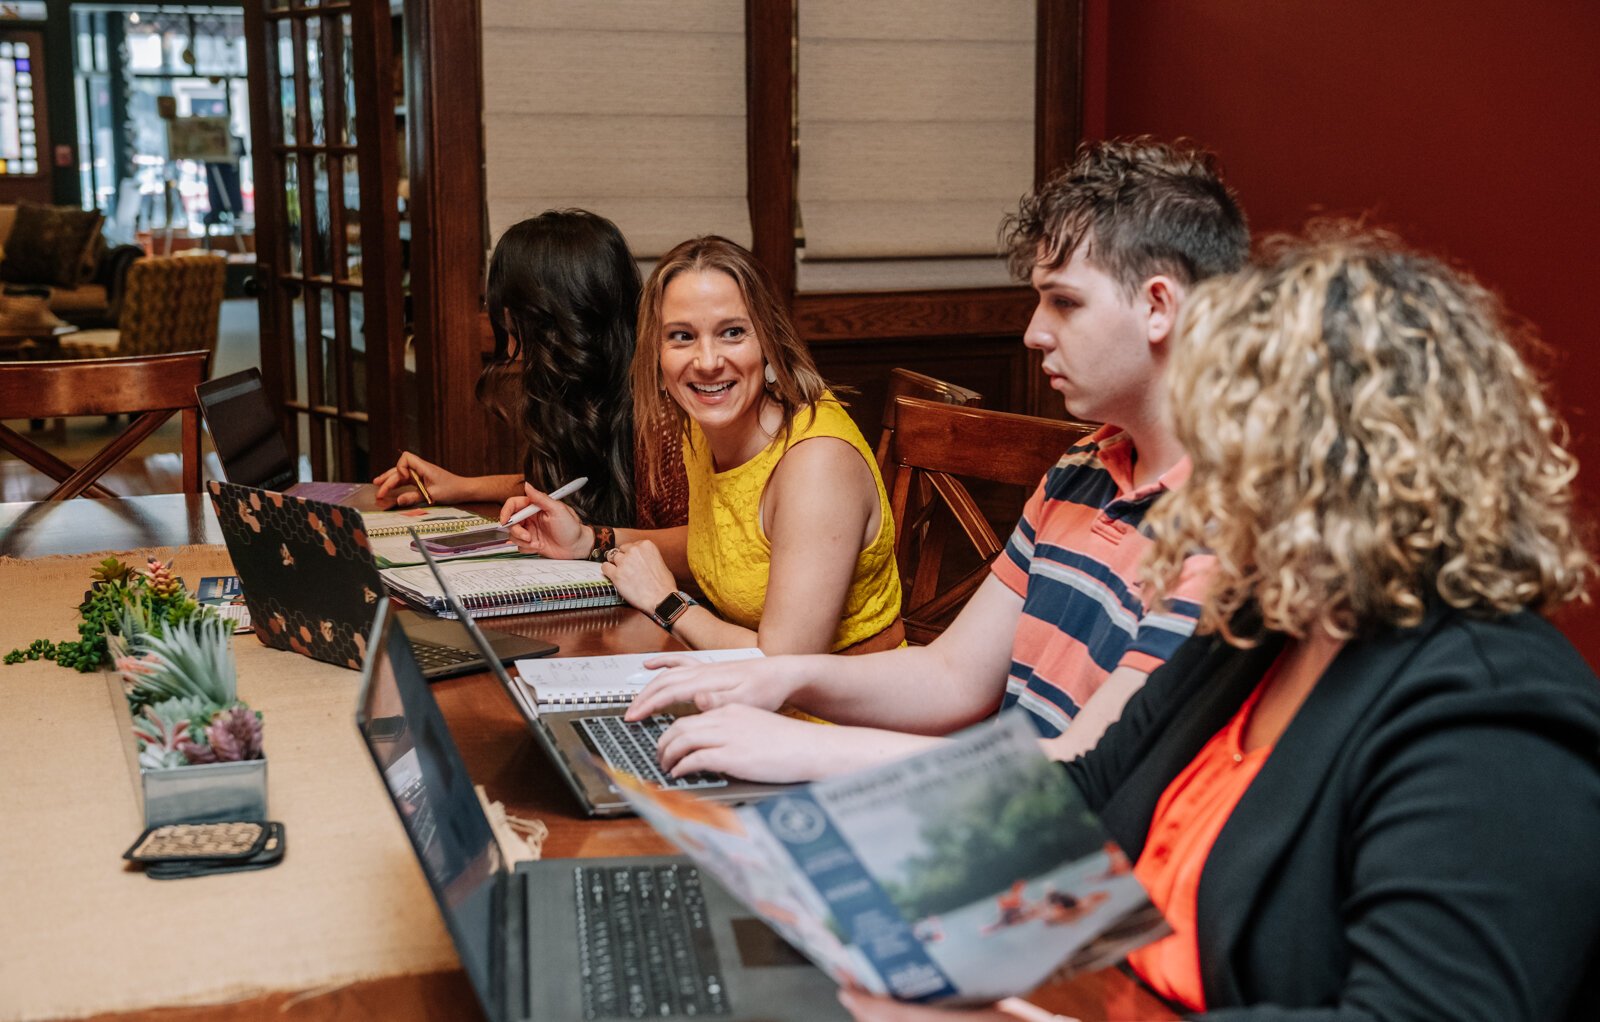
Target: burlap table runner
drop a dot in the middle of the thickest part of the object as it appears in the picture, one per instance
(82, 935)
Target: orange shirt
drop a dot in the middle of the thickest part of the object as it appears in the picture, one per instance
(1186, 823)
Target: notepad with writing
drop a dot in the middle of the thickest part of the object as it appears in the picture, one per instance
(559, 683)
(516, 585)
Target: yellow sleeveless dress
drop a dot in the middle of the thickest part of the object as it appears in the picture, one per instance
(731, 557)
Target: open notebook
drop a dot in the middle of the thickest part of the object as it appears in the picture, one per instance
(565, 683)
(518, 585)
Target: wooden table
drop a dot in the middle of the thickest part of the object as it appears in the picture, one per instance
(500, 754)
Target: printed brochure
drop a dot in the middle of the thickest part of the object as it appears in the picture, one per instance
(964, 874)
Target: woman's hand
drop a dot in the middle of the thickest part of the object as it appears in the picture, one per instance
(864, 1007)
(554, 532)
(640, 574)
(765, 684)
(444, 487)
(745, 742)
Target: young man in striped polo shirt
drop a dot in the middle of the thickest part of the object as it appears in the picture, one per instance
(1110, 244)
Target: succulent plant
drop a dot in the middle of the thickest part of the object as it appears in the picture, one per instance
(160, 741)
(160, 582)
(234, 734)
(112, 570)
(192, 657)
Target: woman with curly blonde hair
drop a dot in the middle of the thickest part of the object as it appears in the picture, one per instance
(1372, 790)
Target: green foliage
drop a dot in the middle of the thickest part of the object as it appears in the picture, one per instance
(190, 658)
(156, 598)
(983, 836)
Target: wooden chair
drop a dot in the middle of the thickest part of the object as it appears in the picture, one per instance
(908, 383)
(150, 387)
(932, 445)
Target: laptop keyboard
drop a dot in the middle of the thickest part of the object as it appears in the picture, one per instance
(644, 943)
(631, 748)
(432, 656)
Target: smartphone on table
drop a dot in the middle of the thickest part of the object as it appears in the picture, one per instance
(484, 541)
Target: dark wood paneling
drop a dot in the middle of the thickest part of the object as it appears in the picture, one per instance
(445, 103)
(769, 120)
(1057, 111)
(994, 366)
(893, 314)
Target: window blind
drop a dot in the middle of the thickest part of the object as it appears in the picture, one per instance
(635, 111)
(915, 126)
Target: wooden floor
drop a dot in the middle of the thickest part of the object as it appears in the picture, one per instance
(154, 466)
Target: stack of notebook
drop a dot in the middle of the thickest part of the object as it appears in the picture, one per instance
(518, 585)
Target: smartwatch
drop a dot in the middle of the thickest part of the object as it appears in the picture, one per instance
(669, 610)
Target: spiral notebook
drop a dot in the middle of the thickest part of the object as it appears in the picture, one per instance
(518, 585)
(566, 683)
(425, 520)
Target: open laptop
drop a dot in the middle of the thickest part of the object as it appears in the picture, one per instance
(312, 586)
(571, 737)
(566, 938)
(249, 441)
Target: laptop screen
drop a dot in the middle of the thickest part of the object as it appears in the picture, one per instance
(426, 777)
(249, 443)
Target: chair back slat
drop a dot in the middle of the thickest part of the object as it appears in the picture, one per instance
(932, 448)
(909, 383)
(150, 387)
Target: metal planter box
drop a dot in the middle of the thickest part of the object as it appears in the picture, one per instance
(205, 793)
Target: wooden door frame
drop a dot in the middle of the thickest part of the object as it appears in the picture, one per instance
(380, 254)
(445, 154)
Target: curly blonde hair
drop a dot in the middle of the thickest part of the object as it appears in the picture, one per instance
(1366, 438)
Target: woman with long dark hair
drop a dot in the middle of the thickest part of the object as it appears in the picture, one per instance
(562, 297)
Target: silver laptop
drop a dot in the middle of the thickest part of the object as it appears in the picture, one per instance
(566, 938)
(249, 441)
(574, 739)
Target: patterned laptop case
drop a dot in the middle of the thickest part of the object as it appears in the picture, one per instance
(307, 570)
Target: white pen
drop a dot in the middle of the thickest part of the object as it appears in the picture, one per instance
(557, 494)
(527, 512)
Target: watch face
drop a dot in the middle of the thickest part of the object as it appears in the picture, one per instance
(671, 607)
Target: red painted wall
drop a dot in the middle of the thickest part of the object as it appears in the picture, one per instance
(1471, 127)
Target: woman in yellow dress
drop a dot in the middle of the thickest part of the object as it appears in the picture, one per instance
(790, 536)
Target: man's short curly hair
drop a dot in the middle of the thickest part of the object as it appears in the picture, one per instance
(1144, 208)
(1366, 439)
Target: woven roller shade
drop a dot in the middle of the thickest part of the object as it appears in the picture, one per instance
(633, 110)
(916, 125)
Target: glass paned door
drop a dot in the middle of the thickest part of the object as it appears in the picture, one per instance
(328, 245)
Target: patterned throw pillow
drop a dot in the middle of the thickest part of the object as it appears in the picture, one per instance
(47, 244)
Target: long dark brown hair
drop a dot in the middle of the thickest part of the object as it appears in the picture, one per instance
(563, 292)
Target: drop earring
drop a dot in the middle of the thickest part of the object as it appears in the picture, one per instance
(770, 375)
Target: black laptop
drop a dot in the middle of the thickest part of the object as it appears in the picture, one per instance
(312, 586)
(249, 441)
(567, 938)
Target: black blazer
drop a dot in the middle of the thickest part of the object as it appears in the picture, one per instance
(1422, 843)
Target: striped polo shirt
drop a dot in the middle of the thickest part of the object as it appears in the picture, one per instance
(1074, 560)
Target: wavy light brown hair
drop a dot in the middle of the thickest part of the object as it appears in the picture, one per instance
(1366, 439)
(799, 385)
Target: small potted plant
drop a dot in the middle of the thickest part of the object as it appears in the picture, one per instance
(199, 747)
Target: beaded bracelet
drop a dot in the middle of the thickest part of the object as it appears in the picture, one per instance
(605, 539)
